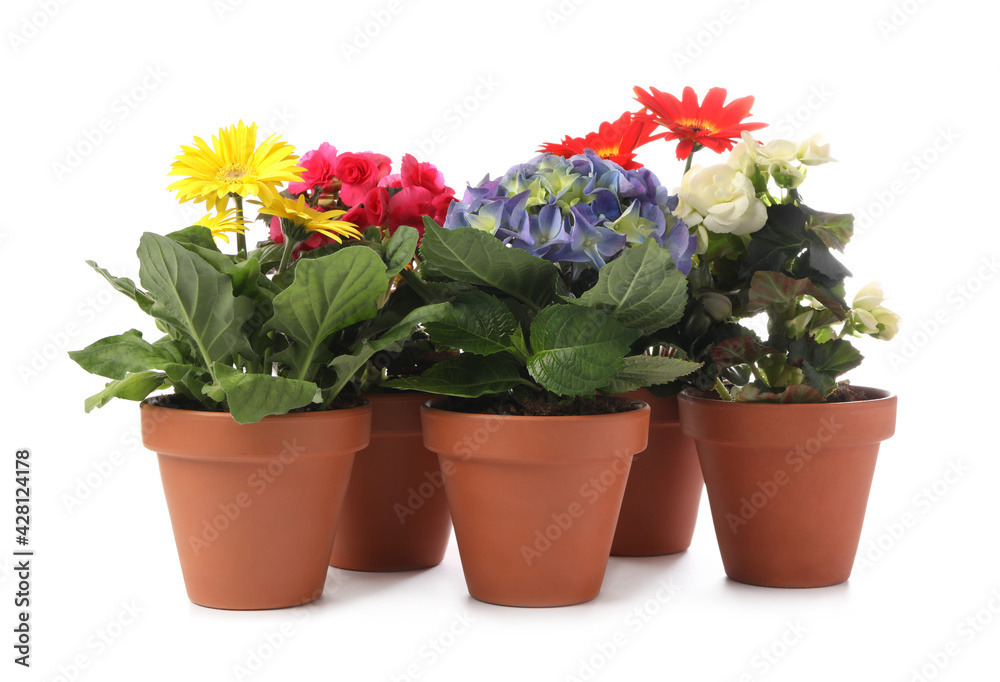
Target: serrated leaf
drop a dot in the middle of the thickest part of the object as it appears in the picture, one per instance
(769, 289)
(125, 286)
(193, 297)
(822, 363)
(641, 288)
(640, 371)
(132, 387)
(472, 256)
(834, 229)
(474, 322)
(252, 397)
(327, 295)
(577, 350)
(465, 376)
(115, 356)
(738, 351)
(400, 249)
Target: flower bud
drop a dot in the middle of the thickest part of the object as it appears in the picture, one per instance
(717, 305)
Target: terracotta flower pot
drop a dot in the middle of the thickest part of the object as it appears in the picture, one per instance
(254, 506)
(534, 500)
(395, 516)
(788, 484)
(661, 501)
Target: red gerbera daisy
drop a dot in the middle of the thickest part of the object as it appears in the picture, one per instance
(613, 141)
(714, 124)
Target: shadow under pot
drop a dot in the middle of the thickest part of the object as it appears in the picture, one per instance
(395, 516)
(534, 500)
(788, 484)
(254, 507)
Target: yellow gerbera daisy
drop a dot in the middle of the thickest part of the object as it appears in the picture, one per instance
(222, 222)
(234, 165)
(301, 219)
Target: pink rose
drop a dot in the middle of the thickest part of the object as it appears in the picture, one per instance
(320, 165)
(376, 205)
(359, 173)
(421, 174)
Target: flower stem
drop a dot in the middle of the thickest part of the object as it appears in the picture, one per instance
(720, 388)
(241, 240)
(286, 255)
(687, 166)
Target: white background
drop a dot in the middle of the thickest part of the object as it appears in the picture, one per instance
(906, 92)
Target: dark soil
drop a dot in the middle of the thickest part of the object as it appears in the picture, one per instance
(601, 404)
(846, 393)
(179, 402)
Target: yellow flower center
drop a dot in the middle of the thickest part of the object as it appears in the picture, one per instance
(234, 172)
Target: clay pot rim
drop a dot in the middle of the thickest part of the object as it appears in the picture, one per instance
(697, 395)
(640, 405)
(209, 415)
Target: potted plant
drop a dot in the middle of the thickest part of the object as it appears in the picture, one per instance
(395, 515)
(787, 449)
(256, 442)
(554, 276)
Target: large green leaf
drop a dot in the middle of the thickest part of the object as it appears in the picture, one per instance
(132, 387)
(346, 366)
(193, 297)
(639, 371)
(252, 397)
(327, 295)
(465, 376)
(115, 356)
(472, 256)
(773, 289)
(400, 249)
(577, 350)
(739, 350)
(822, 363)
(125, 286)
(197, 235)
(641, 288)
(834, 229)
(476, 323)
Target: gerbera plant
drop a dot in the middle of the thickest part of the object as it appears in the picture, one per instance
(260, 332)
(558, 276)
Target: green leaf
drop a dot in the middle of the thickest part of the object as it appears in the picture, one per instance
(125, 286)
(780, 240)
(193, 297)
(465, 376)
(642, 289)
(252, 397)
(196, 235)
(739, 351)
(773, 289)
(476, 323)
(834, 229)
(115, 356)
(639, 371)
(577, 350)
(327, 295)
(400, 249)
(347, 366)
(822, 363)
(132, 387)
(472, 256)
(799, 393)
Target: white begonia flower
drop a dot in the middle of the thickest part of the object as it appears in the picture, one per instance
(890, 322)
(742, 159)
(786, 174)
(869, 297)
(722, 199)
(813, 151)
(868, 313)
